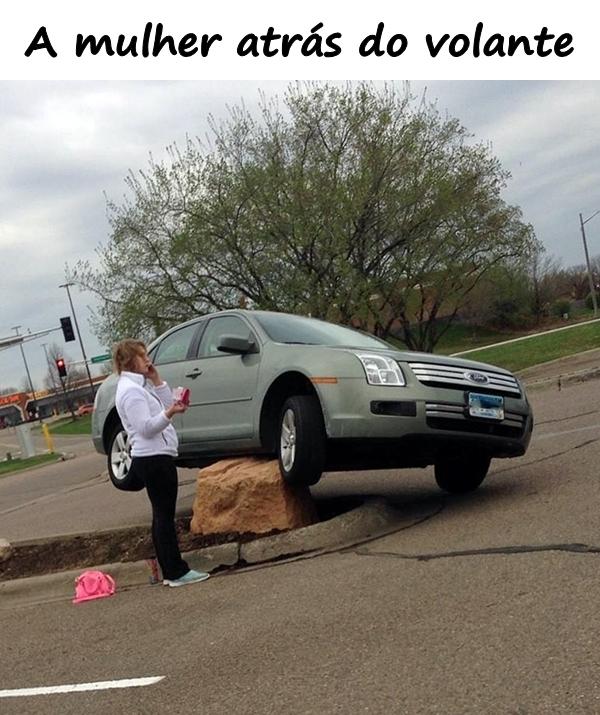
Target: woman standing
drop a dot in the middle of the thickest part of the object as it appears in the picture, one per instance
(145, 405)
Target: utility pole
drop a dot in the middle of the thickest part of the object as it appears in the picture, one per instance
(45, 346)
(587, 260)
(87, 367)
(16, 329)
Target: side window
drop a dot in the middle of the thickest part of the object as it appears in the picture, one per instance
(174, 347)
(216, 328)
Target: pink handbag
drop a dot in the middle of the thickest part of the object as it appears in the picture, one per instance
(93, 584)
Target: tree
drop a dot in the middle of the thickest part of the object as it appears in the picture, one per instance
(141, 276)
(578, 281)
(349, 203)
(502, 299)
(548, 283)
(74, 373)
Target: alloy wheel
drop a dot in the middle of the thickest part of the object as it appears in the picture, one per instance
(288, 440)
(120, 455)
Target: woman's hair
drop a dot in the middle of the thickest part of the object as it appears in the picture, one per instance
(124, 353)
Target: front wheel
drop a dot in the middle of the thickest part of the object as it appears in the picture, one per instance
(119, 462)
(461, 474)
(301, 444)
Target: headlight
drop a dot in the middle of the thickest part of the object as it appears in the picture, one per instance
(381, 370)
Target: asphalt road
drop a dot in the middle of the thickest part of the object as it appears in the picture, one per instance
(489, 605)
(74, 496)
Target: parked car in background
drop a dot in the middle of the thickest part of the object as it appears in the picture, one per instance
(323, 397)
(86, 409)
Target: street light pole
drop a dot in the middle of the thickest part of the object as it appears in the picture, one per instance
(587, 260)
(87, 368)
(33, 395)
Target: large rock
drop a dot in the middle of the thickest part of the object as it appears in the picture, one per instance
(247, 495)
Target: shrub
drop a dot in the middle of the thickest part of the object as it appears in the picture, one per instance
(508, 314)
(560, 307)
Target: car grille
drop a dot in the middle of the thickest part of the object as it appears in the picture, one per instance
(456, 377)
(448, 416)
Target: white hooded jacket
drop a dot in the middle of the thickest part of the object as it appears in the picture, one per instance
(141, 407)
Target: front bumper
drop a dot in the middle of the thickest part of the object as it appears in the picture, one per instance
(419, 419)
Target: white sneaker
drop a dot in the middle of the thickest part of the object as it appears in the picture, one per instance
(190, 577)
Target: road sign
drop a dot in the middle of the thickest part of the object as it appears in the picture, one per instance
(101, 358)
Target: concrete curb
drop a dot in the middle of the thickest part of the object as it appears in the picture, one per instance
(557, 361)
(565, 379)
(373, 518)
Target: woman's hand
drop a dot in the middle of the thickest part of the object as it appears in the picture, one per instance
(152, 374)
(175, 408)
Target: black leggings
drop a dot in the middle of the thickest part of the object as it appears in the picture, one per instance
(160, 477)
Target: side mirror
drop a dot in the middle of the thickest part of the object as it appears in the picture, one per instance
(233, 344)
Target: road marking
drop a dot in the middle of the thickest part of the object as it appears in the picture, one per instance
(81, 687)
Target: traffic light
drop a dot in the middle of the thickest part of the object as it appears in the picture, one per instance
(61, 367)
(67, 328)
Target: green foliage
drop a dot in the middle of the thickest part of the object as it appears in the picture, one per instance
(17, 464)
(561, 308)
(503, 298)
(467, 337)
(507, 313)
(81, 425)
(351, 203)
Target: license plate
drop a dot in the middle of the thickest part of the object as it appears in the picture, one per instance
(490, 407)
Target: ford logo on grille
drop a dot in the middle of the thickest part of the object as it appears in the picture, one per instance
(477, 377)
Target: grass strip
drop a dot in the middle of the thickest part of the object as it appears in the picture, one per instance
(17, 464)
(543, 348)
(81, 425)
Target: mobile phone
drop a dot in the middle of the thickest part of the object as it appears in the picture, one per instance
(182, 394)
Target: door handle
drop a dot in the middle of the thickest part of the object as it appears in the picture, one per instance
(194, 374)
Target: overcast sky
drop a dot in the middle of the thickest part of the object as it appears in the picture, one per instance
(64, 144)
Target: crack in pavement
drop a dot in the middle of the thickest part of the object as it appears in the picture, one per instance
(491, 551)
(335, 549)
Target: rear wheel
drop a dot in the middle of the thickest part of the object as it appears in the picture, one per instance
(461, 474)
(119, 461)
(301, 440)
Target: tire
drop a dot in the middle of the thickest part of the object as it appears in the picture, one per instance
(301, 442)
(119, 462)
(461, 474)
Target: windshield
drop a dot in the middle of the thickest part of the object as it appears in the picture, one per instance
(297, 330)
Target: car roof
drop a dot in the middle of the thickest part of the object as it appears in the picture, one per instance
(217, 313)
(233, 311)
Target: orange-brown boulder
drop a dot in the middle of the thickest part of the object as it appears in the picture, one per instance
(248, 495)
